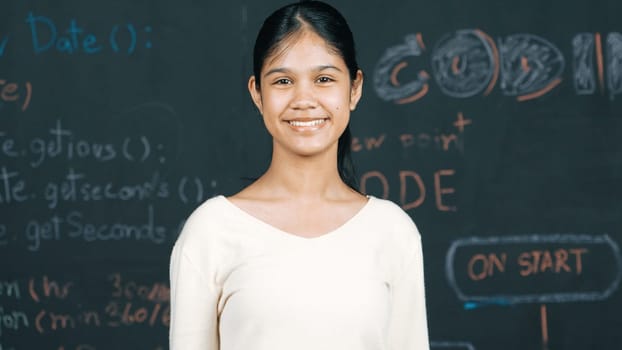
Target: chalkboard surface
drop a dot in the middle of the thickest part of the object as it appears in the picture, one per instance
(496, 125)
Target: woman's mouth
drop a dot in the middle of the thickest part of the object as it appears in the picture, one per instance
(306, 123)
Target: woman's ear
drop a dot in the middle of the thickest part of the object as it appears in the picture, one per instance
(253, 89)
(357, 90)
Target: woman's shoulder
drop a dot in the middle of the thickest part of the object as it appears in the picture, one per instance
(200, 239)
(205, 220)
(212, 207)
(390, 209)
(392, 216)
(399, 231)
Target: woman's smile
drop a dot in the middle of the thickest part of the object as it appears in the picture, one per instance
(307, 125)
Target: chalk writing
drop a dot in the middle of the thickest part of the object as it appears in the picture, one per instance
(464, 63)
(63, 144)
(530, 66)
(128, 303)
(126, 309)
(75, 187)
(559, 260)
(583, 64)
(482, 266)
(127, 314)
(468, 62)
(7, 148)
(412, 188)
(191, 190)
(45, 36)
(19, 93)
(614, 63)
(12, 187)
(421, 141)
(115, 314)
(4, 41)
(75, 226)
(10, 289)
(130, 290)
(48, 289)
(385, 73)
(480, 269)
(46, 320)
(438, 140)
(12, 320)
(38, 231)
(90, 232)
(367, 143)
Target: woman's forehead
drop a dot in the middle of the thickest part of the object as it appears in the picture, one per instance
(306, 40)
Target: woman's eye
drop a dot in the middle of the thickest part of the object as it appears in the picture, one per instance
(324, 79)
(283, 81)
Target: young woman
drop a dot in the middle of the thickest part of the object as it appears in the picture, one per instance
(300, 260)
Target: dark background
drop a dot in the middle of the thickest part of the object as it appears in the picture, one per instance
(119, 140)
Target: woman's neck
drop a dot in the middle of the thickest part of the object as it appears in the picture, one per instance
(312, 177)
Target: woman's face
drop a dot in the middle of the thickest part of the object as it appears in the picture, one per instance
(306, 96)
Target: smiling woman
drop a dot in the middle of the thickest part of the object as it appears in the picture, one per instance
(300, 259)
(306, 96)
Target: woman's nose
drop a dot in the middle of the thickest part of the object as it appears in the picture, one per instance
(304, 97)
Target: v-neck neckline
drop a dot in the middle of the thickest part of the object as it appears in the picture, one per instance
(289, 235)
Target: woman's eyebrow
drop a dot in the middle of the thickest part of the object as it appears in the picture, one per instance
(324, 67)
(287, 70)
(277, 70)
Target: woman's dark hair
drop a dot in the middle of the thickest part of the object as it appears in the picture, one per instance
(329, 24)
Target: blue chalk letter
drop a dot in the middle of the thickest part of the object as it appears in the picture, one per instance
(32, 20)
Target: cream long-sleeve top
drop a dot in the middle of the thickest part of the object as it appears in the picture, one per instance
(238, 283)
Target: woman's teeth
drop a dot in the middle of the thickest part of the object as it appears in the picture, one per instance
(307, 123)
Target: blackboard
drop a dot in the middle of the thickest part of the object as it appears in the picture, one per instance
(496, 125)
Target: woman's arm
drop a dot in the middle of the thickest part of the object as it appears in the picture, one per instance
(408, 327)
(194, 300)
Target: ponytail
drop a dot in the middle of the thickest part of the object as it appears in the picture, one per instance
(345, 165)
